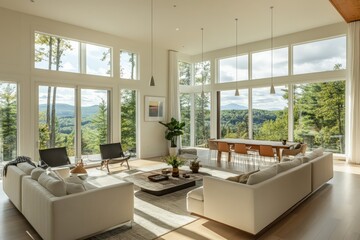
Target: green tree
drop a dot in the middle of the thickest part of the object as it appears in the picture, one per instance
(8, 116)
(128, 119)
(100, 123)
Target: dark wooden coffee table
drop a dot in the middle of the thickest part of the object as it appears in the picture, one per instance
(165, 186)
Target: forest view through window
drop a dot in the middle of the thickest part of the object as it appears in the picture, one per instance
(8, 121)
(128, 121)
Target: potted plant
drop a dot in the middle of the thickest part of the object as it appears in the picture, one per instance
(175, 162)
(195, 165)
(174, 129)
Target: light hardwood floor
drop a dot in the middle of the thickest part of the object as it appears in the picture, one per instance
(333, 212)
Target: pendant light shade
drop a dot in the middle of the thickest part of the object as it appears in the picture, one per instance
(272, 88)
(152, 81)
(236, 58)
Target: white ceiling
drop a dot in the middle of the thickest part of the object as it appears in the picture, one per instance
(131, 19)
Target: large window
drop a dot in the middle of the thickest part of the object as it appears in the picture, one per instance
(61, 54)
(58, 119)
(202, 119)
(128, 120)
(270, 114)
(234, 117)
(202, 73)
(227, 69)
(325, 55)
(319, 115)
(8, 121)
(185, 110)
(184, 73)
(261, 63)
(128, 65)
(55, 53)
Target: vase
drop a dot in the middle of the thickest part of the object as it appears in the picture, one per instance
(195, 169)
(175, 172)
(173, 151)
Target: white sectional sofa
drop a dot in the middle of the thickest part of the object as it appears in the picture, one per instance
(71, 216)
(253, 207)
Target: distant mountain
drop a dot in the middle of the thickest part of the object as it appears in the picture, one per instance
(67, 110)
(233, 106)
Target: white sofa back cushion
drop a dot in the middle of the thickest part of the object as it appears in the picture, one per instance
(36, 172)
(315, 153)
(283, 166)
(262, 175)
(25, 167)
(54, 186)
(74, 188)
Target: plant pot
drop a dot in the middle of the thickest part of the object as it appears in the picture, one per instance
(173, 150)
(195, 169)
(175, 172)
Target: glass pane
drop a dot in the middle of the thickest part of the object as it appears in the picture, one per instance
(185, 111)
(261, 63)
(55, 53)
(325, 55)
(319, 115)
(8, 121)
(184, 73)
(270, 114)
(128, 65)
(202, 73)
(98, 60)
(57, 118)
(94, 121)
(202, 119)
(227, 68)
(234, 114)
(128, 120)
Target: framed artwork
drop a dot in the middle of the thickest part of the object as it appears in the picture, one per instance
(154, 108)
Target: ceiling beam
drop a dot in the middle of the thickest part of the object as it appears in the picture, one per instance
(348, 9)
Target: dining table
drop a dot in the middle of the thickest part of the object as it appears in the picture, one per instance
(255, 145)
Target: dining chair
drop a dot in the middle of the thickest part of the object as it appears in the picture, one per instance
(212, 147)
(295, 151)
(266, 151)
(223, 147)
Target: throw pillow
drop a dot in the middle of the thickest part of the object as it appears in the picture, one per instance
(72, 188)
(36, 172)
(285, 159)
(61, 172)
(25, 167)
(242, 178)
(283, 166)
(315, 153)
(54, 186)
(262, 175)
(305, 159)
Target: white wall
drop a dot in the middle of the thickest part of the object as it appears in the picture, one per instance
(16, 65)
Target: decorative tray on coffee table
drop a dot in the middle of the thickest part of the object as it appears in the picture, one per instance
(158, 177)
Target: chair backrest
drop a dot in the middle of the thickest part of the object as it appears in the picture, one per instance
(54, 157)
(303, 148)
(223, 147)
(111, 150)
(212, 144)
(240, 148)
(266, 151)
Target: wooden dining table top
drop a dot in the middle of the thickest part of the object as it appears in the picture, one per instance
(277, 144)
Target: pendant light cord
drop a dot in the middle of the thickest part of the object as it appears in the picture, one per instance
(272, 47)
(152, 38)
(236, 49)
(202, 61)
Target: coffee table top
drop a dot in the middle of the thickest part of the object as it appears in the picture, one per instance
(165, 186)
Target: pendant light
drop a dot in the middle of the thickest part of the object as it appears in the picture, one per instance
(152, 81)
(236, 64)
(272, 88)
(202, 63)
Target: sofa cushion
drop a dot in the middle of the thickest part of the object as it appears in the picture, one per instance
(242, 178)
(197, 194)
(283, 166)
(305, 159)
(36, 172)
(25, 167)
(60, 172)
(262, 175)
(315, 153)
(54, 186)
(72, 188)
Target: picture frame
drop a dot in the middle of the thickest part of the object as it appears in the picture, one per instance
(154, 108)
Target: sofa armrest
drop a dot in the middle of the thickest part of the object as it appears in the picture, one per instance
(322, 170)
(12, 185)
(77, 215)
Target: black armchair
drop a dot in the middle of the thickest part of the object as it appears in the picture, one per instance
(54, 157)
(112, 153)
